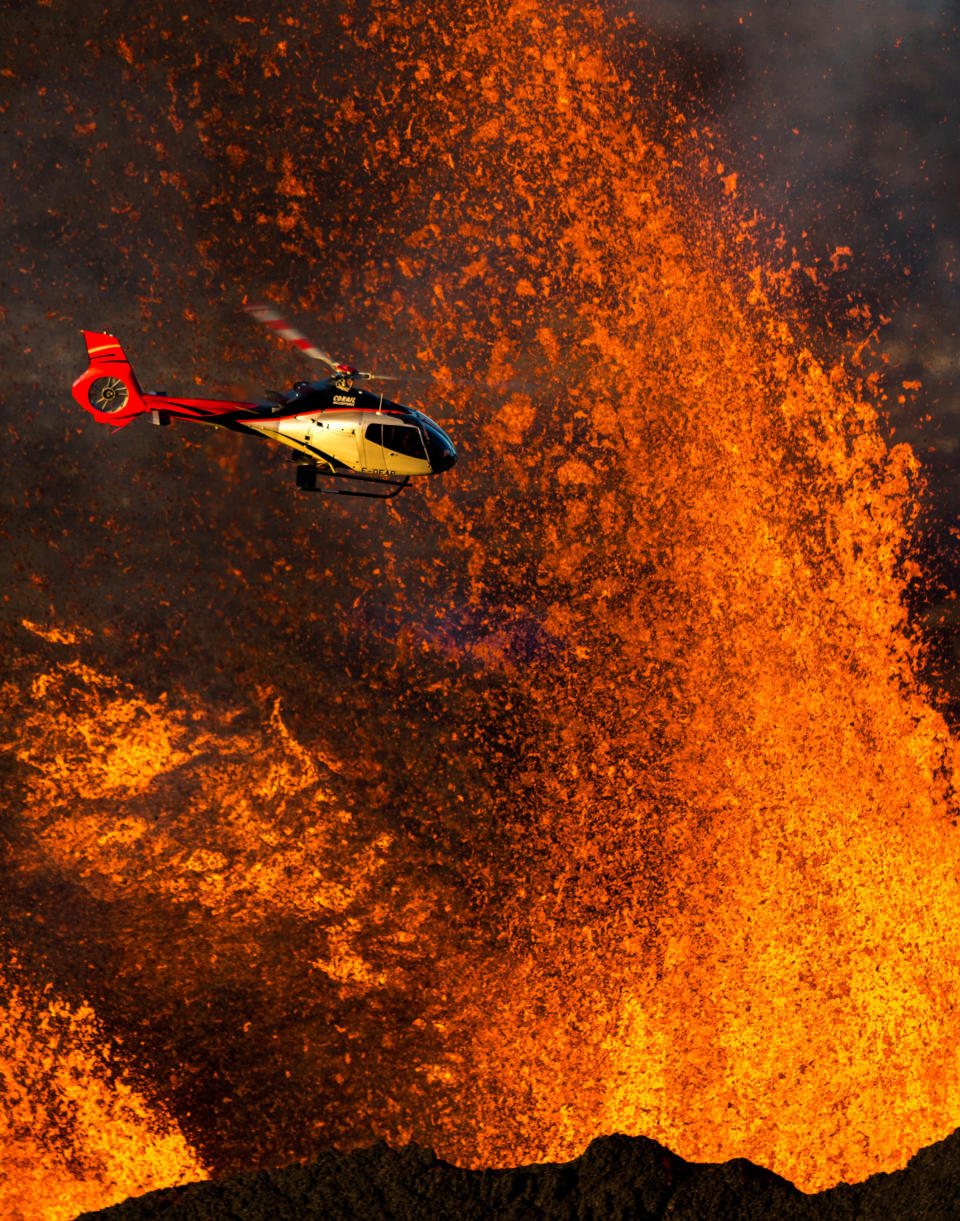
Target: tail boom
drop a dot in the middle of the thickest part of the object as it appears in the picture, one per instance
(109, 390)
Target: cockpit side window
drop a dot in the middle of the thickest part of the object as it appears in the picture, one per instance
(399, 438)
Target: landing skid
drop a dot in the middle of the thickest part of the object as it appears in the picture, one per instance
(307, 476)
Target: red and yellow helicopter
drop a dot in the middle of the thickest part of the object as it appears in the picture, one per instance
(347, 434)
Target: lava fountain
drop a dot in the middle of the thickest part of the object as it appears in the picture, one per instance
(659, 833)
(73, 1130)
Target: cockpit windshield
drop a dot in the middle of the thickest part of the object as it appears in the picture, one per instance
(439, 446)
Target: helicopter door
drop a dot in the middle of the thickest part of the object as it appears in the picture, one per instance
(338, 434)
(374, 458)
(394, 449)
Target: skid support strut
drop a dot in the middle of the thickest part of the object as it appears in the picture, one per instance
(308, 474)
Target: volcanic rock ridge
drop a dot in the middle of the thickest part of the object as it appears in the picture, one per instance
(617, 1178)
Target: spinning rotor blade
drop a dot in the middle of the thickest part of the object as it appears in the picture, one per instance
(376, 377)
(276, 322)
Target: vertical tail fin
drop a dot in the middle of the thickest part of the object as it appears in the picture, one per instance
(108, 389)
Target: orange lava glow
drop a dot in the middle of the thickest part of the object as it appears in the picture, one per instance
(74, 1135)
(648, 824)
(722, 527)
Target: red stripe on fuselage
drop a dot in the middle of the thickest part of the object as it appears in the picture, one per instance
(210, 409)
(296, 415)
(304, 415)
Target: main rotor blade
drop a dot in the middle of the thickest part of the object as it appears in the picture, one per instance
(271, 317)
(276, 322)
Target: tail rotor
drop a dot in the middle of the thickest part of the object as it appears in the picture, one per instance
(108, 394)
(108, 388)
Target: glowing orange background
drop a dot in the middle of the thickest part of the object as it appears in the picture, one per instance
(603, 795)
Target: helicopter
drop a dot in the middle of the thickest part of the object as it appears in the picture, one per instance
(347, 434)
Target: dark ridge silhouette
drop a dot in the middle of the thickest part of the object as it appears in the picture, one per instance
(617, 1178)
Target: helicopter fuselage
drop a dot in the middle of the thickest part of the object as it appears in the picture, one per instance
(352, 428)
(343, 432)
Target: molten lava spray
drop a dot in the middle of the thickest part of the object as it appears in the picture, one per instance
(593, 788)
(71, 1129)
